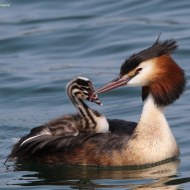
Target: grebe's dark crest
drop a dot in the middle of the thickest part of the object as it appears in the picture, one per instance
(151, 141)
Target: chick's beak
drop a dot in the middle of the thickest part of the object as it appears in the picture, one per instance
(120, 81)
(94, 98)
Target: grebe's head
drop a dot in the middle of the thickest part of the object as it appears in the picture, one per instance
(154, 70)
(83, 88)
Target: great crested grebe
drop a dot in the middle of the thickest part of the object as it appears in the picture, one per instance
(86, 120)
(150, 142)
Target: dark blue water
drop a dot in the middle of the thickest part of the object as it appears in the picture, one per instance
(44, 44)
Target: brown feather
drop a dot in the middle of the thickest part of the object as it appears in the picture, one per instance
(167, 83)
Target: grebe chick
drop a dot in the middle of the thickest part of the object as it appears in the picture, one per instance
(151, 141)
(86, 120)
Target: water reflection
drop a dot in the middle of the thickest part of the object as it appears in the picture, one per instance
(160, 176)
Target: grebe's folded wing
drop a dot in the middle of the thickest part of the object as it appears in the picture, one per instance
(68, 149)
(46, 143)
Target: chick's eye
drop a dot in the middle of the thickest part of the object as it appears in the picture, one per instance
(138, 71)
(84, 89)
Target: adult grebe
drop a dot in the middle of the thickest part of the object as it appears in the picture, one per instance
(86, 121)
(151, 141)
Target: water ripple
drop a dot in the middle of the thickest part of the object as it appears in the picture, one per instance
(45, 44)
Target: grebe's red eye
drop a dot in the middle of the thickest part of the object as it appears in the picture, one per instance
(138, 71)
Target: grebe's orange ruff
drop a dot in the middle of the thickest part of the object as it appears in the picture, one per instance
(151, 141)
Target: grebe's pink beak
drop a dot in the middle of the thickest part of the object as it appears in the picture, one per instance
(113, 84)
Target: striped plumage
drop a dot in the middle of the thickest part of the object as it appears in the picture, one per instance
(86, 121)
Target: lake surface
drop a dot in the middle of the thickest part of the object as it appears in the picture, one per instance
(44, 44)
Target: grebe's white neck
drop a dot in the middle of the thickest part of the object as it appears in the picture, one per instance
(152, 113)
(153, 134)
